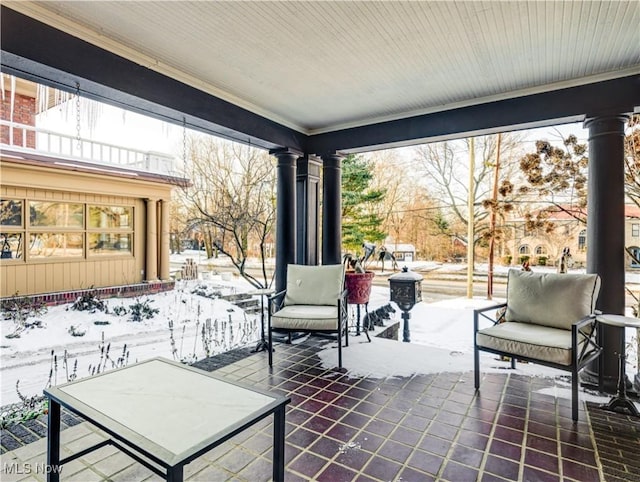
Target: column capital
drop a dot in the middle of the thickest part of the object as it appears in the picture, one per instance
(332, 160)
(605, 119)
(285, 152)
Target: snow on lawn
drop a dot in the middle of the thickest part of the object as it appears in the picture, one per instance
(29, 357)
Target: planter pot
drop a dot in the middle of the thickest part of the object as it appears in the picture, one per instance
(358, 286)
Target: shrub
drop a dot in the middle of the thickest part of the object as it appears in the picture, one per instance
(141, 310)
(90, 301)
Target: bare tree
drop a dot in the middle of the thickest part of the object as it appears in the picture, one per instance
(445, 168)
(632, 160)
(233, 197)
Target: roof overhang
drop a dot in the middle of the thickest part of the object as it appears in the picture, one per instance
(114, 51)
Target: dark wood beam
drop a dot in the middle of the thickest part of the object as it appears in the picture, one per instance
(571, 104)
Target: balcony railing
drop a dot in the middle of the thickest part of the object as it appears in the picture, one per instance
(25, 137)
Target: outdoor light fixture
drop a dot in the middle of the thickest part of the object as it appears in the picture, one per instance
(406, 291)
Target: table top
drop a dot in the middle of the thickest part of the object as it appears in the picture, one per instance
(619, 320)
(167, 409)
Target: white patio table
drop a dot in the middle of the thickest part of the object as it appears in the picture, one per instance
(163, 414)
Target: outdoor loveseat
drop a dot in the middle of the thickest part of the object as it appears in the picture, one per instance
(548, 319)
(315, 301)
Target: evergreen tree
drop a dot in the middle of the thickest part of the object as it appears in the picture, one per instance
(360, 221)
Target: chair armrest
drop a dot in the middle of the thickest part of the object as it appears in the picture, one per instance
(343, 296)
(481, 312)
(271, 301)
(587, 320)
(584, 331)
(492, 307)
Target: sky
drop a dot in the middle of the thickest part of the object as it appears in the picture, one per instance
(441, 336)
(117, 126)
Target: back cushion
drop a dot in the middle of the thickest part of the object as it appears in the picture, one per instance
(550, 299)
(314, 285)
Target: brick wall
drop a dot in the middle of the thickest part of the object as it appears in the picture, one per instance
(24, 112)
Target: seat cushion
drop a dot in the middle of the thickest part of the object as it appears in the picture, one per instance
(550, 299)
(306, 317)
(532, 341)
(314, 285)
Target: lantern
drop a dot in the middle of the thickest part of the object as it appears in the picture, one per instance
(406, 291)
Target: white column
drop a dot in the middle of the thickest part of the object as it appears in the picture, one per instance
(164, 239)
(151, 270)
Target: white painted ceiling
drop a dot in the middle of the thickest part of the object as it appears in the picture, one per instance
(322, 65)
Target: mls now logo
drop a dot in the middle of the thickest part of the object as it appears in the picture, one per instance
(20, 468)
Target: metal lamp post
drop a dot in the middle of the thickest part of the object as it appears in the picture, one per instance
(406, 291)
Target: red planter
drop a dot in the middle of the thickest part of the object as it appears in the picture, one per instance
(358, 286)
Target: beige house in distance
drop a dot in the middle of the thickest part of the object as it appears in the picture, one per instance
(71, 221)
(546, 248)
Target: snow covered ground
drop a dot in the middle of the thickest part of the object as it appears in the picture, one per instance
(441, 336)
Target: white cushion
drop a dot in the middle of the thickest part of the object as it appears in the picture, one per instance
(550, 299)
(314, 285)
(306, 317)
(534, 341)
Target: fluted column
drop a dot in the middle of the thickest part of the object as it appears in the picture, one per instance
(285, 215)
(332, 209)
(151, 267)
(605, 235)
(164, 240)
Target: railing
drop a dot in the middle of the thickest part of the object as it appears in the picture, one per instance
(23, 137)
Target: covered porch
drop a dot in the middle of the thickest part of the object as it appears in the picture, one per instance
(420, 427)
(310, 82)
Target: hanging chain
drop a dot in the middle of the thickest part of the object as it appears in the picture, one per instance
(78, 115)
(184, 145)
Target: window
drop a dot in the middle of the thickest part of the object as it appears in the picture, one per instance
(54, 229)
(110, 230)
(11, 245)
(11, 220)
(11, 212)
(582, 240)
(541, 250)
(635, 230)
(59, 245)
(56, 215)
(524, 249)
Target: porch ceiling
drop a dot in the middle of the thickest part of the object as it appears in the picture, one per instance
(319, 67)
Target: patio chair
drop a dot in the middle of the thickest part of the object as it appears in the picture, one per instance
(548, 319)
(314, 301)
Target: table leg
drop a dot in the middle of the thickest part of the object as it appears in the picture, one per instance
(175, 474)
(621, 400)
(278, 444)
(53, 442)
(262, 343)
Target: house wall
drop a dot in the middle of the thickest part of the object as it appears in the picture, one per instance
(24, 108)
(30, 276)
(567, 234)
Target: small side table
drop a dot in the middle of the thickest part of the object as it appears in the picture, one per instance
(620, 400)
(262, 292)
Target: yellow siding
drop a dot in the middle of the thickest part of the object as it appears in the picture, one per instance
(50, 276)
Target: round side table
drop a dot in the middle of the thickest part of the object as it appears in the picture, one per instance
(620, 400)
